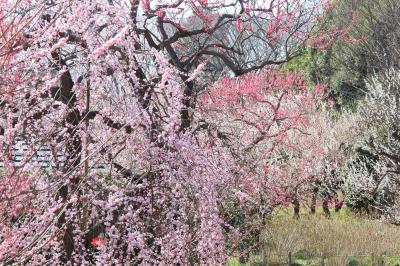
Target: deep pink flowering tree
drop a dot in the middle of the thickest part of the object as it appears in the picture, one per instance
(278, 133)
(101, 156)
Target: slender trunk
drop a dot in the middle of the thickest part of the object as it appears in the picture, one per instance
(314, 201)
(85, 212)
(296, 207)
(338, 204)
(325, 206)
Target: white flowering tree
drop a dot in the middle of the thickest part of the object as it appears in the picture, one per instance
(372, 177)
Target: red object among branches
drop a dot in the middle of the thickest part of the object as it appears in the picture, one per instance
(97, 241)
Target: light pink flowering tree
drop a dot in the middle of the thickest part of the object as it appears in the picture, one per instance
(101, 161)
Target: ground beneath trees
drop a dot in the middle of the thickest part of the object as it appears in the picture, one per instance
(345, 239)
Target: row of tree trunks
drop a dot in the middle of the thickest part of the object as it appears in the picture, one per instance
(325, 204)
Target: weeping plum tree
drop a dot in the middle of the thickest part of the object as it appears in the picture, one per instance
(105, 91)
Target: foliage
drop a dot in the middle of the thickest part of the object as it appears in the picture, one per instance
(373, 33)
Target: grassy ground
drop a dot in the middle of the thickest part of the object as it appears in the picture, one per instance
(345, 239)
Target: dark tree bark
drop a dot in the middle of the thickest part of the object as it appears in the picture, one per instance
(325, 206)
(338, 204)
(314, 200)
(296, 207)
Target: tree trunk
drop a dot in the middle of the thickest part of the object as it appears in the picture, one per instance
(338, 204)
(296, 207)
(325, 207)
(314, 201)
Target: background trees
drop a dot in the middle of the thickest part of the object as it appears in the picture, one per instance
(359, 73)
(362, 73)
(371, 48)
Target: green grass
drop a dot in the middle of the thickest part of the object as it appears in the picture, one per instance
(235, 262)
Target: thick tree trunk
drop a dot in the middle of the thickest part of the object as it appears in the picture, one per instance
(186, 118)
